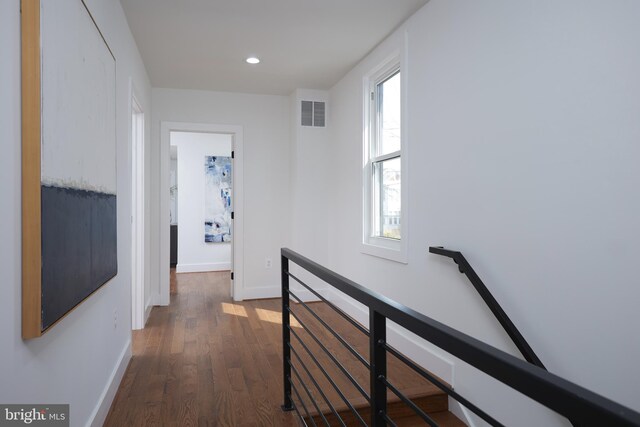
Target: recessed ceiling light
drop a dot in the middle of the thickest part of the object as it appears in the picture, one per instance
(252, 60)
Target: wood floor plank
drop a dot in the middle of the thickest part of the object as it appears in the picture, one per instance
(225, 414)
(151, 416)
(177, 341)
(188, 413)
(172, 386)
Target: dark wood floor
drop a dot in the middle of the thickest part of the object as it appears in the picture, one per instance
(206, 360)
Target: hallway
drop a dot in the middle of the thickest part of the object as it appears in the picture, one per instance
(209, 361)
(204, 360)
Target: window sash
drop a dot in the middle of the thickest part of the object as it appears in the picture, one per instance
(384, 157)
(377, 114)
(377, 196)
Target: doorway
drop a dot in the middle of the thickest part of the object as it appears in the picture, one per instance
(209, 233)
(201, 201)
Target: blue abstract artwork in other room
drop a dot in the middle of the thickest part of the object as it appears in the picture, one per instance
(217, 199)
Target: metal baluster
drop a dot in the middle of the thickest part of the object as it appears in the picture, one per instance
(378, 358)
(286, 335)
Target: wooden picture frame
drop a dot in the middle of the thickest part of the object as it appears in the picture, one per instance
(41, 277)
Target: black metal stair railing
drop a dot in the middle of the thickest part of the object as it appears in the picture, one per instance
(579, 405)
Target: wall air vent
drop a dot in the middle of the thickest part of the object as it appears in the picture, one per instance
(313, 113)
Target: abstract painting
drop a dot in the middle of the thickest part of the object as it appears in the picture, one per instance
(217, 199)
(69, 196)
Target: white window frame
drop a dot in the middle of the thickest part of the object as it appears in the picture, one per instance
(383, 247)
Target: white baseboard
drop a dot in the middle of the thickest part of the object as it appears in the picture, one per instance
(147, 310)
(157, 299)
(201, 268)
(100, 412)
(275, 292)
(461, 412)
(261, 293)
(418, 350)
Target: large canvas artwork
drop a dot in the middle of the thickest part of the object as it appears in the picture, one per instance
(217, 199)
(69, 161)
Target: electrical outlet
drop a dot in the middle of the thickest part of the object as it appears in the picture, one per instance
(115, 318)
(267, 263)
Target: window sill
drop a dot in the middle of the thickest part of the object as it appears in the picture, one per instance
(390, 249)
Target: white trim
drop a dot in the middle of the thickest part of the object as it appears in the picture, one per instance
(147, 310)
(461, 412)
(388, 156)
(391, 249)
(101, 410)
(202, 267)
(275, 292)
(166, 127)
(155, 299)
(384, 248)
(137, 151)
(262, 292)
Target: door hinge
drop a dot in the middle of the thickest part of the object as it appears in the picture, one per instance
(372, 96)
(233, 154)
(233, 215)
(232, 275)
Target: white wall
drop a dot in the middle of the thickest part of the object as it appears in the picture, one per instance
(265, 124)
(523, 144)
(75, 361)
(310, 165)
(194, 254)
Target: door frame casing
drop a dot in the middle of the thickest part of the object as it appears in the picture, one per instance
(139, 308)
(235, 131)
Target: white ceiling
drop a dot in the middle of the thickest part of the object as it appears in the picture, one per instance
(202, 44)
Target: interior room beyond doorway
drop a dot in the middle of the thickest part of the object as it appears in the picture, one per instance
(201, 201)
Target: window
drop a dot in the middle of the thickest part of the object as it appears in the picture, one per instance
(385, 158)
(382, 216)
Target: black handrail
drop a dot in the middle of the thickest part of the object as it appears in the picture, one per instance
(465, 268)
(578, 404)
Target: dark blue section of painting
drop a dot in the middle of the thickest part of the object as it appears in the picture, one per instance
(79, 247)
